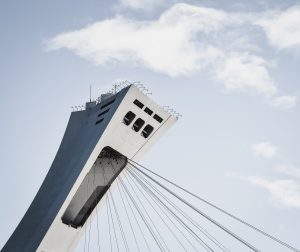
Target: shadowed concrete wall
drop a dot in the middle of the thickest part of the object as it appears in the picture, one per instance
(78, 142)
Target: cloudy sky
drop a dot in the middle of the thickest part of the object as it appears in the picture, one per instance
(231, 68)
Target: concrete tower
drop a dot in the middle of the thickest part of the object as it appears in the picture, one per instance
(95, 148)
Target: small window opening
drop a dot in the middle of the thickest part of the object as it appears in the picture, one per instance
(138, 103)
(104, 112)
(128, 118)
(138, 124)
(107, 104)
(148, 111)
(157, 118)
(147, 131)
(99, 121)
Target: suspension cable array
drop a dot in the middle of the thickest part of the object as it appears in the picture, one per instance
(144, 213)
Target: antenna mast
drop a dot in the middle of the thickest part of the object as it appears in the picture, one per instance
(90, 93)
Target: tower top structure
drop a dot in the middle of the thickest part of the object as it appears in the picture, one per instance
(100, 137)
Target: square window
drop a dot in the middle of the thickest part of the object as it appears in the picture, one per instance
(138, 124)
(148, 111)
(157, 118)
(138, 103)
(147, 131)
(128, 118)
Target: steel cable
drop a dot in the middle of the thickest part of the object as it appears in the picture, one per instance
(223, 211)
(119, 178)
(201, 213)
(130, 224)
(201, 242)
(142, 217)
(194, 223)
(161, 238)
(160, 216)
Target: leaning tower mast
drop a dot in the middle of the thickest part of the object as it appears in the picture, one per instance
(95, 148)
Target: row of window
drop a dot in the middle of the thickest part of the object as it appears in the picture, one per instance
(105, 111)
(108, 103)
(101, 114)
(138, 124)
(129, 117)
(147, 110)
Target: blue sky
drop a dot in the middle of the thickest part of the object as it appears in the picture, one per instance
(231, 69)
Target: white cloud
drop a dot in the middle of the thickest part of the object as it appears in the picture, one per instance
(288, 170)
(282, 28)
(184, 40)
(166, 45)
(141, 4)
(284, 102)
(283, 192)
(246, 73)
(264, 149)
